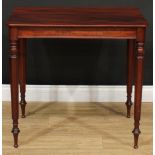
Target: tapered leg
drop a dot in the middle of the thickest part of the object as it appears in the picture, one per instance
(14, 85)
(130, 71)
(138, 84)
(22, 70)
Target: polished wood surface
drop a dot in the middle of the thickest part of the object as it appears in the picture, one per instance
(14, 78)
(74, 32)
(138, 84)
(77, 17)
(90, 23)
(57, 128)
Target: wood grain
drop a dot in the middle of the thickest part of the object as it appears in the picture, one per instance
(77, 129)
(77, 17)
(89, 33)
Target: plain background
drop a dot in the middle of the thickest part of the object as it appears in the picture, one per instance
(86, 62)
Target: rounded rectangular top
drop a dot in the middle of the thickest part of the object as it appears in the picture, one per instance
(77, 17)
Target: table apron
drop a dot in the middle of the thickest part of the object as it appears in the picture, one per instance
(90, 33)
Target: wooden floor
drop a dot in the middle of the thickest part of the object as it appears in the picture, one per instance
(77, 129)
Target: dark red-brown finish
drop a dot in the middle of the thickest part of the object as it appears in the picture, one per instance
(89, 17)
(84, 22)
(22, 72)
(14, 82)
(130, 71)
(138, 82)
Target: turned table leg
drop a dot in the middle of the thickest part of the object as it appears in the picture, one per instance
(22, 70)
(138, 83)
(130, 71)
(14, 83)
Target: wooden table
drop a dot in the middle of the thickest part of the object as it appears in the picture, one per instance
(92, 23)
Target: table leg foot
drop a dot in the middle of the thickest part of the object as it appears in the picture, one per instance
(23, 104)
(15, 132)
(136, 133)
(128, 105)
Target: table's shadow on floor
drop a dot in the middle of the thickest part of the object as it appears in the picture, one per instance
(76, 118)
(100, 109)
(80, 123)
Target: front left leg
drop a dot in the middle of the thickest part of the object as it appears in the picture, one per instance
(14, 53)
(22, 74)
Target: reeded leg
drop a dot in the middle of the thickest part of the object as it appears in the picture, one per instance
(22, 70)
(130, 71)
(138, 84)
(14, 84)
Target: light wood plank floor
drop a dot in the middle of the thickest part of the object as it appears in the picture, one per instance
(77, 129)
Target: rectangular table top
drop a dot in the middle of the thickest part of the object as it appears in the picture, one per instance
(77, 17)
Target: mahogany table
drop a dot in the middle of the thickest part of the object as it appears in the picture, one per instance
(86, 23)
